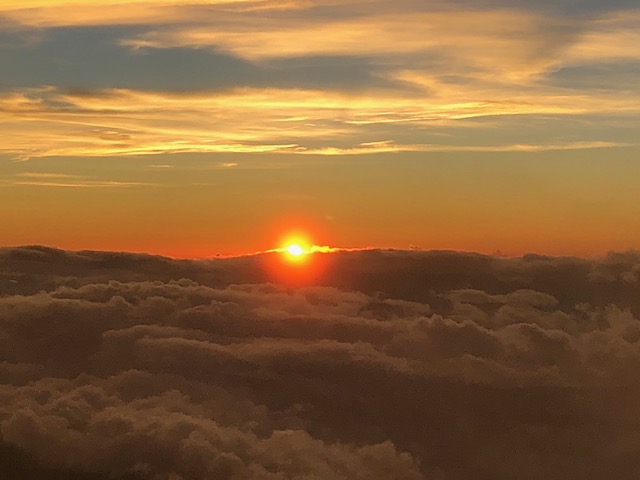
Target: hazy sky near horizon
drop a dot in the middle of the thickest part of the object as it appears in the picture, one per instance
(191, 128)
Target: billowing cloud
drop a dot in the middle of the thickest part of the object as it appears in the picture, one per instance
(391, 365)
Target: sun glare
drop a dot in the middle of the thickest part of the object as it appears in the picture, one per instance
(295, 250)
(297, 261)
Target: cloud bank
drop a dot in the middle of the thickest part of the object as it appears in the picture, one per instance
(406, 365)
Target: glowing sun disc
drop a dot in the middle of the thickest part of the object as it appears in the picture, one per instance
(295, 250)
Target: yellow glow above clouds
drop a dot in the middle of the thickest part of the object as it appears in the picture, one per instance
(298, 244)
(295, 250)
(304, 249)
(299, 250)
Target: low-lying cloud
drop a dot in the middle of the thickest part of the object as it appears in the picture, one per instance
(404, 365)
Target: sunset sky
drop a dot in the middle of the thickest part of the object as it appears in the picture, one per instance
(319, 239)
(193, 128)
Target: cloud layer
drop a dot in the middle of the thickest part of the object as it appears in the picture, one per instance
(177, 76)
(408, 365)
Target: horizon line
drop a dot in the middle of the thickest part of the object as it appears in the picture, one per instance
(317, 249)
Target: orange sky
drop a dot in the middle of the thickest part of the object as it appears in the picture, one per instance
(481, 205)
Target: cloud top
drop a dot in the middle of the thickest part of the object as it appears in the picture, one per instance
(394, 364)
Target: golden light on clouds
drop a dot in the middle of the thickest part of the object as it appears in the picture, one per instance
(433, 67)
(49, 122)
(60, 13)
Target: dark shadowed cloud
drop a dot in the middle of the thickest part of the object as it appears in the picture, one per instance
(408, 365)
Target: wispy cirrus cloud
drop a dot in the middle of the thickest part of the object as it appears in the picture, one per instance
(388, 146)
(64, 180)
(62, 13)
(318, 76)
(501, 45)
(47, 175)
(54, 122)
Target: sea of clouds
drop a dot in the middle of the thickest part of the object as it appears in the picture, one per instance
(384, 365)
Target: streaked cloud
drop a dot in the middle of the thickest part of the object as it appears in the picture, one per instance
(64, 180)
(46, 175)
(298, 77)
(72, 184)
(387, 147)
(54, 122)
(57, 13)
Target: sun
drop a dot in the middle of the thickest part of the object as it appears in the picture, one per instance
(296, 260)
(295, 250)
